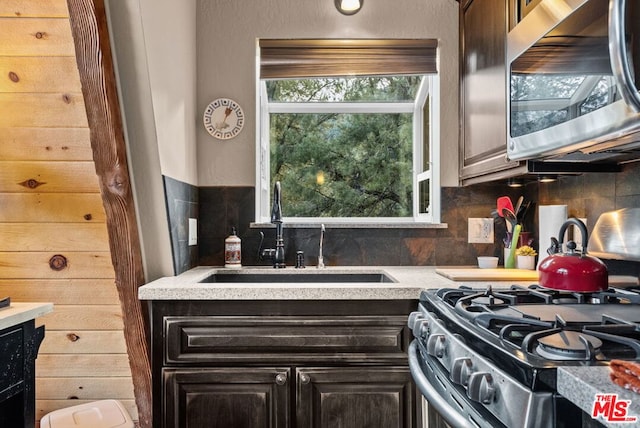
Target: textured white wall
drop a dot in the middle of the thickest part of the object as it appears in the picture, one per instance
(227, 31)
(150, 152)
(170, 39)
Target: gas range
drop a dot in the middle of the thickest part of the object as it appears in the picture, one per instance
(488, 357)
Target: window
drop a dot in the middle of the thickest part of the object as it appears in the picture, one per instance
(347, 144)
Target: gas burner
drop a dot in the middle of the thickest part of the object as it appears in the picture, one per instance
(568, 345)
(488, 300)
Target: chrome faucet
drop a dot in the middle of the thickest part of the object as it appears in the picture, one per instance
(275, 254)
(320, 258)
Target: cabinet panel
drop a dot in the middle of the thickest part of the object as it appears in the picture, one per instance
(223, 398)
(484, 88)
(18, 350)
(233, 339)
(11, 360)
(355, 397)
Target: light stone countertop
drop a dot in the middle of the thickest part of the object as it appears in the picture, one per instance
(581, 384)
(19, 312)
(410, 280)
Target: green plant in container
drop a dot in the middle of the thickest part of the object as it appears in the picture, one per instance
(526, 257)
(526, 250)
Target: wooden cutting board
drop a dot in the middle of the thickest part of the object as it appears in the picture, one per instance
(499, 274)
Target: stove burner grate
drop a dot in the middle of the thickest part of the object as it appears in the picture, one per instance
(545, 325)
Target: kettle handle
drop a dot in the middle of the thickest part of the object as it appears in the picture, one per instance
(583, 231)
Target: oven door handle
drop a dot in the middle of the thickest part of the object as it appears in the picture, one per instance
(450, 415)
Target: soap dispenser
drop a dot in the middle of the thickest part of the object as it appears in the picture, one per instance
(232, 250)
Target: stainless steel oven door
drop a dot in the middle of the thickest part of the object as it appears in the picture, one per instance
(443, 399)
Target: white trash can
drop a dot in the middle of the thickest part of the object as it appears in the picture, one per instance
(97, 414)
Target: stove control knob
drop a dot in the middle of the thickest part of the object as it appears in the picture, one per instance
(413, 317)
(481, 388)
(436, 345)
(421, 328)
(461, 371)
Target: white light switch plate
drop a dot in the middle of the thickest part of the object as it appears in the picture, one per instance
(480, 231)
(193, 231)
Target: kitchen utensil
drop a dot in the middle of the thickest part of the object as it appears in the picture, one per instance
(510, 218)
(516, 209)
(572, 271)
(524, 239)
(502, 203)
(510, 262)
(524, 210)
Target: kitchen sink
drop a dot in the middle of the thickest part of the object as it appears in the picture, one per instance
(296, 277)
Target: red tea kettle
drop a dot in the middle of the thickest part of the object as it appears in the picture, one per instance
(573, 270)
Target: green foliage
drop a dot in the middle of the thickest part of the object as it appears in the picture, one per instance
(343, 165)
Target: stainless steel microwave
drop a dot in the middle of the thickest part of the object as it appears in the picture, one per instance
(574, 74)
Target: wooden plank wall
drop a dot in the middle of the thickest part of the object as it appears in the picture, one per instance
(53, 236)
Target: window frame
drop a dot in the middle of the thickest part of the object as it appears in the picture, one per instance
(429, 91)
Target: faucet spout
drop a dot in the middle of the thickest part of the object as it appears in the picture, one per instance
(275, 254)
(276, 209)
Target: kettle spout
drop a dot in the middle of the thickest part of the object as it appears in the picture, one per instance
(554, 248)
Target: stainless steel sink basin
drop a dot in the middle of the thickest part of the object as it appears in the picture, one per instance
(296, 277)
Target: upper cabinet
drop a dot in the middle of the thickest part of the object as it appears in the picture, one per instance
(483, 140)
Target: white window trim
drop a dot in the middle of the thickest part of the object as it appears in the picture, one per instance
(263, 180)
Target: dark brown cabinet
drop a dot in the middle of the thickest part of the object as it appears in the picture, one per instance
(282, 364)
(483, 26)
(19, 346)
(354, 397)
(229, 397)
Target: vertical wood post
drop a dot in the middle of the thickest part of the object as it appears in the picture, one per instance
(97, 75)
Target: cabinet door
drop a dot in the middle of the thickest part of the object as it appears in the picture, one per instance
(484, 89)
(226, 397)
(357, 397)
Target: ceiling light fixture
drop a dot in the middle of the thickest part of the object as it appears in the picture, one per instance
(348, 7)
(547, 178)
(515, 182)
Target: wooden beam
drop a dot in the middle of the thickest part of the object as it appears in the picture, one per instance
(97, 74)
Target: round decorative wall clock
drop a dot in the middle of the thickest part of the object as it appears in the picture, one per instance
(223, 118)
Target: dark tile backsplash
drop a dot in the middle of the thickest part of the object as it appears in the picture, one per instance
(182, 204)
(218, 209)
(224, 207)
(589, 195)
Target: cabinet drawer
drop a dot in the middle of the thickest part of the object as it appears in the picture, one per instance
(235, 339)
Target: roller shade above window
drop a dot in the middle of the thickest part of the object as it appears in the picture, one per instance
(307, 58)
